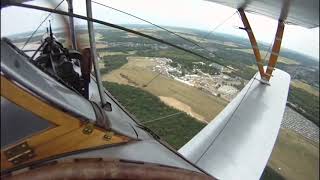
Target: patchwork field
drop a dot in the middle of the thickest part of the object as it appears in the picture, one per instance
(137, 72)
(305, 86)
(83, 41)
(106, 53)
(294, 157)
(263, 54)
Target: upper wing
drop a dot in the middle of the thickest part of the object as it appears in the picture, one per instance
(300, 12)
(238, 142)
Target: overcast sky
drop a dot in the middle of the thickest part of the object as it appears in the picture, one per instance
(197, 14)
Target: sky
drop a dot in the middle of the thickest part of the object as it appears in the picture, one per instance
(197, 14)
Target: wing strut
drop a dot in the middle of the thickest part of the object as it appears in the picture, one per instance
(253, 42)
(265, 76)
(275, 50)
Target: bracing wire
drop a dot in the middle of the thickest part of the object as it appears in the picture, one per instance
(264, 59)
(34, 32)
(165, 29)
(152, 79)
(222, 23)
(117, 27)
(160, 118)
(295, 72)
(171, 32)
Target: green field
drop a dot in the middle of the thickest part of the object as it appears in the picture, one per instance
(294, 157)
(264, 53)
(302, 85)
(305, 103)
(304, 99)
(149, 109)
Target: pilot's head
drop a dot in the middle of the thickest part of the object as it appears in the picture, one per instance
(86, 53)
(86, 62)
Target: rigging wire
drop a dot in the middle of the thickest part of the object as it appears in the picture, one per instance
(33, 33)
(295, 72)
(160, 118)
(264, 59)
(165, 29)
(267, 53)
(215, 28)
(117, 27)
(151, 80)
(269, 48)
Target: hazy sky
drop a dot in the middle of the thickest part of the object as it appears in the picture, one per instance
(197, 14)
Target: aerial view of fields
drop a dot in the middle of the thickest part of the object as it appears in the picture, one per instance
(176, 94)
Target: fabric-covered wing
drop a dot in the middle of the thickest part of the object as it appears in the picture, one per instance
(238, 142)
(299, 12)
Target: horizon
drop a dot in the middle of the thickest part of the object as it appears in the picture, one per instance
(174, 27)
(263, 27)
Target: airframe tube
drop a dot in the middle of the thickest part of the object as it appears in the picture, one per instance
(253, 42)
(275, 50)
(94, 52)
(71, 24)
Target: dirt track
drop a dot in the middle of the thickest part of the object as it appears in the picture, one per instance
(170, 101)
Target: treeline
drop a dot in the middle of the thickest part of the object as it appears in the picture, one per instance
(177, 129)
(123, 49)
(245, 73)
(113, 62)
(112, 35)
(271, 174)
(305, 103)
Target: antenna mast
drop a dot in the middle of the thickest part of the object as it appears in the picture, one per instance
(50, 29)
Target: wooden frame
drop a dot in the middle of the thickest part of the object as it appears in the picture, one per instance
(66, 136)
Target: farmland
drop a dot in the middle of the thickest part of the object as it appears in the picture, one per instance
(137, 72)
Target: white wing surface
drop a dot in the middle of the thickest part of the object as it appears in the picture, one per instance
(300, 12)
(238, 142)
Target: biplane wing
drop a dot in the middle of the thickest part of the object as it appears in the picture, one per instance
(235, 145)
(238, 142)
(298, 12)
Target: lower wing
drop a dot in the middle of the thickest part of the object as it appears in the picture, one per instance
(238, 142)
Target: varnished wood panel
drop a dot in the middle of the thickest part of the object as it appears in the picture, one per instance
(67, 136)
